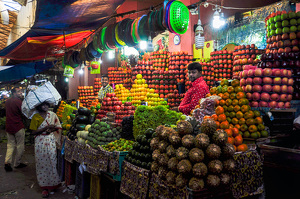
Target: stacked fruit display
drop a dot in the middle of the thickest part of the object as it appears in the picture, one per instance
(283, 33)
(237, 111)
(145, 68)
(244, 55)
(141, 154)
(174, 98)
(61, 109)
(268, 87)
(179, 62)
(97, 85)
(111, 103)
(122, 93)
(118, 145)
(160, 59)
(100, 133)
(222, 62)
(164, 82)
(86, 94)
(119, 75)
(208, 73)
(198, 162)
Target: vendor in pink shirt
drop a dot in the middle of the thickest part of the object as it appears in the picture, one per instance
(198, 89)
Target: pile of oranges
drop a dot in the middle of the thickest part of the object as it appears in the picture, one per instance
(234, 110)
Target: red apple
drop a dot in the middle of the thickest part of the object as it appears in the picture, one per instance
(284, 80)
(276, 89)
(257, 88)
(265, 97)
(267, 72)
(290, 89)
(258, 72)
(277, 80)
(257, 80)
(254, 104)
(242, 82)
(287, 105)
(276, 72)
(267, 88)
(280, 104)
(263, 104)
(274, 97)
(273, 104)
(283, 97)
(289, 73)
(289, 98)
(248, 88)
(249, 80)
(249, 96)
(267, 80)
(256, 96)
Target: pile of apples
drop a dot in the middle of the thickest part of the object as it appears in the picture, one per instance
(208, 73)
(267, 87)
(119, 75)
(111, 103)
(179, 62)
(97, 85)
(85, 94)
(244, 55)
(160, 59)
(145, 68)
(174, 98)
(164, 82)
(222, 62)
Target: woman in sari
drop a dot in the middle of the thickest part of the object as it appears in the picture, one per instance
(46, 127)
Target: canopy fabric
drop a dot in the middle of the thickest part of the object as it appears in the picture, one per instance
(21, 71)
(60, 24)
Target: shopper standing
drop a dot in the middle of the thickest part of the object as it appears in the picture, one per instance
(46, 127)
(15, 130)
(106, 88)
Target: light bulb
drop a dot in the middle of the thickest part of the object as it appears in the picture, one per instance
(80, 71)
(199, 39)
(111, 54)
(143, 45)
(66, 79)
(218, 20)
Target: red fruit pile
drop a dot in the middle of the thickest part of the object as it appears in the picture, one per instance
(222, 62)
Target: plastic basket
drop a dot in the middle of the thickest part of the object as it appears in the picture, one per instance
(60, 165)
(82, 183)
(70, 173)
(179, 17)
(95, 187)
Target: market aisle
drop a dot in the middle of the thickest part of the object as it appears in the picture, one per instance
(22, 183)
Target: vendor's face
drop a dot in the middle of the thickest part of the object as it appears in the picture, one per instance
(104, 81)
(193, 75)
(18, 93)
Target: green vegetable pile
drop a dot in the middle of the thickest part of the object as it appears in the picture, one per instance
(151, 117)
(68, 111)
(119, 145)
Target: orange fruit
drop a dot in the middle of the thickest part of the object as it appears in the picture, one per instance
(234, 147)
(214, 117)
(229, 132)
(238, 140)
(228, 119)
(231, 126)
(242, 121)
(230, 108)
(236, 108)
(258, 120)
(218, 124)
(244, 127)
(224, 82)
(237, 126)
(219, 110)
(225, 108)
(220, 95)
(225, 96)
(239, 115)
(235, 102)
(234, 121)
(213, 90)
(238, 89)
(208, 95)
(245, 108)
(230, 89)
(222, 118)
(231, 140)
(242, 147)
(222, 102)
(232, 95)
(240, 95)
(256, 113)
(232, 114)
(250, 121)
(252, 128)
(235, 132)
(224, 125)
(235, 83)
(228, 102)
(261, 127)
(249, 114)
(206, 117)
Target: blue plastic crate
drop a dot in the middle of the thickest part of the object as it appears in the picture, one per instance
(60, 165)
(115, 168)
(82, 183)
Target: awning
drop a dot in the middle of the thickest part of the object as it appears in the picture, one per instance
(60, 24)
(22, 71)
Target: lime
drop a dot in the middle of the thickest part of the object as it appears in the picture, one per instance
(278, 31)
(272, 26)
(278, 24)
(254, 135)
(293, 22)
(246, 134)
(292, 15)
(293, 29)
(286, 30)
(264, 133)
(284, 16)
(285, 23)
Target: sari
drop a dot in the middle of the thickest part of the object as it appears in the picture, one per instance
(45, 151)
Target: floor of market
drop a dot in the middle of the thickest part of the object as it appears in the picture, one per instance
(22, 183)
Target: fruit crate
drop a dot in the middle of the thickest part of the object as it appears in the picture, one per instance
(221, 192)
(70, 173)
(60, 165)
(115, 164)
(95, 187)
(281, 121)
(135, 181)
(82, 183)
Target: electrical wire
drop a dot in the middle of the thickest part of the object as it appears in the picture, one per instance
(228, 7)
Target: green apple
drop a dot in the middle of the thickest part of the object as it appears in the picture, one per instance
(285, 23)
(286, 30)
(271, 19)
(272, 32)
(298, 28)
(277, 18)
(278, 31)
(292, 15)
(298, 14)
(284, 16)
(272, 26)
(278, 24)
(293, 22)
(293, 29)
(298, 21)
(268, 34)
